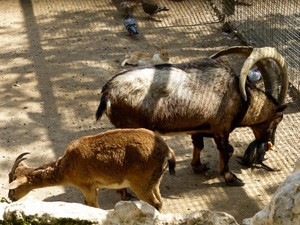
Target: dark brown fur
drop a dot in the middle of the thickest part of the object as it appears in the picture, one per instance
(200, 98)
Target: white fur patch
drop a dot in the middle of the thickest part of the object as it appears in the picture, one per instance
(124, 184)
(135, 85)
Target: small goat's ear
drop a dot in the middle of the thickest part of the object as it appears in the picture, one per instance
(16, 183)
(23, 164)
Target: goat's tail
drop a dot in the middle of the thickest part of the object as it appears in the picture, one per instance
(171, 161)
(101, 107)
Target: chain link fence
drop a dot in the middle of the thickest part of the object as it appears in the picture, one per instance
(261, 23)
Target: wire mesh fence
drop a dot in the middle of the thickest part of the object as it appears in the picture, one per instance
(261, 23)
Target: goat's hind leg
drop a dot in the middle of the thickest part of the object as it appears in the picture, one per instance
(225, 152)
(198, 143)
(149, 195)
(148, 189)
(156, 191)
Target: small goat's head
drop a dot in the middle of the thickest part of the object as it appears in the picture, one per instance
(18, 181)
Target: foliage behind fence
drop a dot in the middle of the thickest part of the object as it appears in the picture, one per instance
(260, 23)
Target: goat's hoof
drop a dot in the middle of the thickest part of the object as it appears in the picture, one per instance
(244, 162)
(232, 180)
(201, 168)
(158, 206)
(268, 168)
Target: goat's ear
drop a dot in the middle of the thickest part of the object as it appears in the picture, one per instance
(23, 164)
(16, 183)
(281, 108)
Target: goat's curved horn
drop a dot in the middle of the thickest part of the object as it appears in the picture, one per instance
(244, 50)
(265, 53)
(269, 76)
(21, 156)
(17, 162)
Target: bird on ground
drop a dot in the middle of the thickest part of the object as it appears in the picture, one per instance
(127, 7)
(131, 25)
(152, 8)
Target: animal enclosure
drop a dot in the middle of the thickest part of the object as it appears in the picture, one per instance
(56, 55)
(266, 23)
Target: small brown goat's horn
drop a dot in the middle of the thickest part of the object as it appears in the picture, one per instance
(17, 162)
(244, 50)
(265, 53)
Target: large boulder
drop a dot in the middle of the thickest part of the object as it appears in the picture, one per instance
(284, 207)
(129, 213)
(3, 205)
(140, 213)
(39, 212)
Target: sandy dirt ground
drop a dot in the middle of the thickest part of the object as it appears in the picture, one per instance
(55, 56)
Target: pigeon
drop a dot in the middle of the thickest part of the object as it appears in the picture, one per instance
(127, 7)
(151, 8)
(130, 25)
(254, 75)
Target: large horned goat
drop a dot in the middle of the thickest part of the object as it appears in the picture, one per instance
(204, 99)
(115, 159)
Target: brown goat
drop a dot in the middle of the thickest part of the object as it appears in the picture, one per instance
(115, 159)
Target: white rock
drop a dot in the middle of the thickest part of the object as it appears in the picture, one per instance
(53, 211)
(284, 207)
(129, 213)
(199, 217)
(2, 208)
(140, 213)
(133, 213)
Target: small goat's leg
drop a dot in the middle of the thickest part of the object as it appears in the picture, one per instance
(225, 152)
(156, 192)
(152, 200)
(198, 143)
(91, 196)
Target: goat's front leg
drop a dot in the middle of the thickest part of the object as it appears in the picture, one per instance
(198, 143)
(91, 196)
(225, 152)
